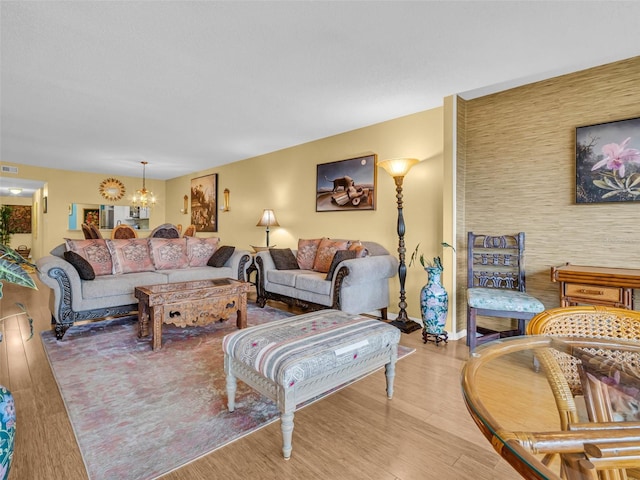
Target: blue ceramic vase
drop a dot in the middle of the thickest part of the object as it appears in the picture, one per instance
(434, 303)
(7, 431)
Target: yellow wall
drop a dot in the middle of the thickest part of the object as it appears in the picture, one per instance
(285, 181)
(516, 172)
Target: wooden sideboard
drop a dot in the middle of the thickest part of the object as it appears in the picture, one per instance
(580, 285)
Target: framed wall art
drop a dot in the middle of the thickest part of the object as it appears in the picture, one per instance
(91, 216)
(608, 162)
(346, 185)
(204, 201)
(20, 220)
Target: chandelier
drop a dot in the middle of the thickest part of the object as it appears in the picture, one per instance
(143, 197)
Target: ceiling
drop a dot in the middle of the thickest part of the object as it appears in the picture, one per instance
(100, 86)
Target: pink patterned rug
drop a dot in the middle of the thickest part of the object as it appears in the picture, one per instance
(138, 414)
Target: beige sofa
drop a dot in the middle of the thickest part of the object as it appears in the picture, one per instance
(357, 285)
(73, 298)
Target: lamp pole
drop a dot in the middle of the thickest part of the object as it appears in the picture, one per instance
(402, 321)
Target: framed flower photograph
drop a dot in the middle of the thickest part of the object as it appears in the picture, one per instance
(346, 185)
(608, 162)
(91, 216)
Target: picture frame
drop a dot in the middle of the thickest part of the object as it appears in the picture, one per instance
(35, 221)
(20, 220)
(91, 216)
(347, 185)
(204, 203)
(608, 162)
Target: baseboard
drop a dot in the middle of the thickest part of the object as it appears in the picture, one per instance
(452, 336)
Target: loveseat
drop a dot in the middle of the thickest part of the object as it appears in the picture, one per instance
(93, 279)
(352, 276)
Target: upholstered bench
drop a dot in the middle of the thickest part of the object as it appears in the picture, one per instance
(299, 358)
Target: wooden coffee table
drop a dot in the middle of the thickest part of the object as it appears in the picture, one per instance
(192, 303)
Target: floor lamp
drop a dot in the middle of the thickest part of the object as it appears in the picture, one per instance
(398, 168)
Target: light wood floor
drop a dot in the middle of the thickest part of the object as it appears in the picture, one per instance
(425, 432)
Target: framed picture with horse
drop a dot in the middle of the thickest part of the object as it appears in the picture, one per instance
(346, 185)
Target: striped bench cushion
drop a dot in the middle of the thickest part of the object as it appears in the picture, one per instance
(302, 347)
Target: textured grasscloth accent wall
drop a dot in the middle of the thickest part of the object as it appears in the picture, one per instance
(461, 233)
(518, 173)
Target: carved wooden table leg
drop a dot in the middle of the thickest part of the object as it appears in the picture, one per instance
(143, 319)
(241, 321)
(156, 318)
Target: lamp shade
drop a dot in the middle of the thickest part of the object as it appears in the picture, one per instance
(398, 167)
(268, 219)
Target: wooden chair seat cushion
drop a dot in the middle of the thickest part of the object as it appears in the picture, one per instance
(501, 299)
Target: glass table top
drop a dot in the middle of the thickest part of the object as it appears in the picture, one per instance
(550, 403)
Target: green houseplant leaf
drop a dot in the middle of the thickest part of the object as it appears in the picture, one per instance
(11, 270)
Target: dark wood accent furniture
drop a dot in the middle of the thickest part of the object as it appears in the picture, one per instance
(192, 303)
(496, 285)
(580, 285)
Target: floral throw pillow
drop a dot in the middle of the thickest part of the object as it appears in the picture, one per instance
(199, 250)
(307, 250)
(326, 251)
(169, 253)
(359, 249)
(95, 252)
(130, 255)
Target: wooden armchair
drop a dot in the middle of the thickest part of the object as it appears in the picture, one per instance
(124, 231)
(496, 285)
(166, 230)
(569, 378)
(190, 231)
(90, 231)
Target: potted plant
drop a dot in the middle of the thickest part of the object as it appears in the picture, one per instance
(10, 271)
(5, 233)
(434, 300)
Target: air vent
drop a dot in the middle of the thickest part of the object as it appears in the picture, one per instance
(8, 169)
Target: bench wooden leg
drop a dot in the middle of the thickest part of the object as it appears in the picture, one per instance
(231, 389)
(286, 423)
(390, 372)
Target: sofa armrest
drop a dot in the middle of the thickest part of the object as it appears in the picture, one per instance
(63, 279)
(267, 262)
(239, 262)
(50, 268)
(362, 270)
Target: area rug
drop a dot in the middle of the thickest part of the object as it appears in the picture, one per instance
(138, 414)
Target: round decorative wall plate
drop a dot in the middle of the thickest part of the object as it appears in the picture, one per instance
(112, 189)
